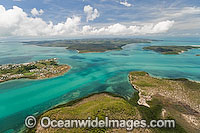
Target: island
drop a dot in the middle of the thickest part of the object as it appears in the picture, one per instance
(95, 105)
(198, 55)
(34, 70)
(170, 49)
(154, 99)
(90, 45)
(175, 98)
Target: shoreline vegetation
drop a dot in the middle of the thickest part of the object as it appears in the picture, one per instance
(178, 98)
(170, 50)
(95, 105)
(41, 69)
(156, 99)
(90, 45)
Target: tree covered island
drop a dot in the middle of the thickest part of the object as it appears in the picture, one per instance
(89, 45)
(170, 49)
(34, 70)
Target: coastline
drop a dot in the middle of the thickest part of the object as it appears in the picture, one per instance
(90, 106)
(163, 89)
(142, 109)
(40, 78)
(170, 50)
(142, 99)
(144, 104)
(95, 45)
(47, 69)
(63, 71)
(178, 97)
(97, 51)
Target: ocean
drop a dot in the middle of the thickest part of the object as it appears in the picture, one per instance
(90, 73)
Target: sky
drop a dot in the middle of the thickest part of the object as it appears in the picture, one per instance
(88, 18)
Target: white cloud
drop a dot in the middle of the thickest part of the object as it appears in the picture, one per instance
(125, 3)
(187, 18)
(92, 13)
(174, 13)
(119, 29)
(15, 22)
(35, 12)
(185, 11)
(2, 9)
(162, 26)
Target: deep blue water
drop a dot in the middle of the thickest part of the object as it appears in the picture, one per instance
(90, 73)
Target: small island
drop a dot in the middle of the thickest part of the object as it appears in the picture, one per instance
(175, 98)
(170, 49)
(89, 45)
(34, 70)
(198, 55)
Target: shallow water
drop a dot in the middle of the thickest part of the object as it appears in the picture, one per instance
(90, 73)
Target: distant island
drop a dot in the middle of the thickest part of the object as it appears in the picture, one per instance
(34, 70)
(89, 45)
(156, 99)
(170, 49)
(176, 98)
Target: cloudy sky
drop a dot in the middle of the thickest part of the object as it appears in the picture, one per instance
(85, 18)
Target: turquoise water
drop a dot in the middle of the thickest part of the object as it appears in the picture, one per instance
(90, 73)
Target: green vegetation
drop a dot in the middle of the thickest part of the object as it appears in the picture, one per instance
(169, 49)
(89, 45)
(98, 105)
(179, 97)
(145, 82)
(170, 99)
(29, 74)
(18, 70)
(34, 70)
(154, 113)
(140, 73)
(106, 104)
